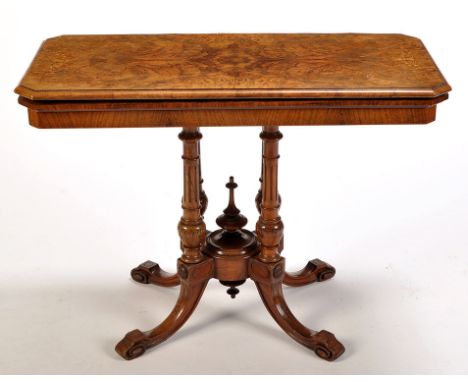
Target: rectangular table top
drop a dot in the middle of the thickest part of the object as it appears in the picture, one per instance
(232, 67)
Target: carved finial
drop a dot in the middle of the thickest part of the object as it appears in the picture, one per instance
(232, 220)
(231, 240)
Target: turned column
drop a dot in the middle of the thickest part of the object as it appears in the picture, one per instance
(192, 229)
(269, 227)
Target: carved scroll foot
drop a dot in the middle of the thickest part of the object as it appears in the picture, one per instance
(315, 271)
(268, 278)
(150, 273)
(193, 280)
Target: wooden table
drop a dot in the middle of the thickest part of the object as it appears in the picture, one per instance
(231, 80)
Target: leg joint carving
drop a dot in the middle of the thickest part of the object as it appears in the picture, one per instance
(195, 273)
(266, 273)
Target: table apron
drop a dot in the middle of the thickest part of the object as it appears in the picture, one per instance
(231, 117)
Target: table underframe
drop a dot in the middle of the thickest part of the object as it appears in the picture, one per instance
(231, 255)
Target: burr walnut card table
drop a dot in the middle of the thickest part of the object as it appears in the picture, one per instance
(268, 80)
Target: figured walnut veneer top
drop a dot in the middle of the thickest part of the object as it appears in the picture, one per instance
(232, 66)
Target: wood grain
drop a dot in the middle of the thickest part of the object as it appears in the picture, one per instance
(232, 66)
(246, 117)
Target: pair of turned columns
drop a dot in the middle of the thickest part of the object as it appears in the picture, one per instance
(192, 228)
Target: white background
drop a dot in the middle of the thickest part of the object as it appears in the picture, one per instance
(387, 205)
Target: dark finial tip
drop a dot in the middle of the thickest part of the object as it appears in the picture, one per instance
(231, 184)
(233, 292)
